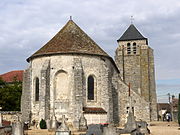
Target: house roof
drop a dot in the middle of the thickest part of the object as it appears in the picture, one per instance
(10, 76)
(131, 34)
(71, 39)
(175, 102)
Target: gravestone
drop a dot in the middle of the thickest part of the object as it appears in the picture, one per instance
(48, 124)
(131, 123)
(82, 123)
(63, 128)
(110, 130)
(142, 127)
(0, 118)
(130, 126)
(95, 129)
(17, 128)
(53, 122)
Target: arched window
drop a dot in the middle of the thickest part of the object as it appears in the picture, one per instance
(128, 48)
(37, 89)
(90, 88)
(134, 48)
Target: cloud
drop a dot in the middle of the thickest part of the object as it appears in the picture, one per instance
(27, 25)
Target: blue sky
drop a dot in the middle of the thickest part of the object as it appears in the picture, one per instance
(26, 25)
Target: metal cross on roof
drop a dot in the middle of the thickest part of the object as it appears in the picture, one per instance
(70, 17)
(132, 19)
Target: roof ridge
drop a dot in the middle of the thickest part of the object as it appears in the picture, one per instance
(12, 71)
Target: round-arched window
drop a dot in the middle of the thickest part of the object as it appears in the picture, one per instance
(90, 88)
(134, 48)
(37, 89)
(128, 48)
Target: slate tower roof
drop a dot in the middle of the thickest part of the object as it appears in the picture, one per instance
(131, 34)
(71, 39)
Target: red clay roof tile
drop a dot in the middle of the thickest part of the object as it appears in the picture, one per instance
(10, 76)
(93, 110)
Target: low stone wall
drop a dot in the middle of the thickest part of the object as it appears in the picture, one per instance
(10, 115)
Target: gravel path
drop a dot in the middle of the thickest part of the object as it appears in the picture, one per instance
(164, 128)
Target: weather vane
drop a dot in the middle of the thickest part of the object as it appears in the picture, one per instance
(132, 19)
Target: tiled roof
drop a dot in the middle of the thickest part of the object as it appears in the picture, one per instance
(71, 39)
(131, 34)
(94, 110)
(10, 76)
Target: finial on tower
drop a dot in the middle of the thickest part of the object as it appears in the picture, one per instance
(70, 17)
(132, 19)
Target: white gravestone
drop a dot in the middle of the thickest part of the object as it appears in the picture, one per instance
(63, 129)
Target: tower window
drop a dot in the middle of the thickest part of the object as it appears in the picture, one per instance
(37, 89)
(90, 88)
(134, 48)
(128, 48)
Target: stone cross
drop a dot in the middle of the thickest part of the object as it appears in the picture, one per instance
(130, 99)
(132, 19)
(129, 89)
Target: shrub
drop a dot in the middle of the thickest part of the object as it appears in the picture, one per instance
(43, 124)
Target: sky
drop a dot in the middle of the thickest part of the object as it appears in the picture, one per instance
(26, 25)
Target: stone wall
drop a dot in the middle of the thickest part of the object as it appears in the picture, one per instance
(141, 107)
(138, 70)
(77, 68)
(130, 64)
(10, 115)
(44, 94)
(78, 91)
(26, 96)
(153, 96)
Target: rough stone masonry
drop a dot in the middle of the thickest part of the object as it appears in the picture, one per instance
(71, 75)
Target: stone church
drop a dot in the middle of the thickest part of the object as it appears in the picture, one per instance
(72, 76)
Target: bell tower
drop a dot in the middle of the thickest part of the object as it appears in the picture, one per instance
(135, 60)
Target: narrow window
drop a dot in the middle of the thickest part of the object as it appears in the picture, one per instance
(134, 48)
(37, 89)
(127, 109)
(128, 48)
(90, 88)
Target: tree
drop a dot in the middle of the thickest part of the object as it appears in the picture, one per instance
(10, 95)
(179, 110)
